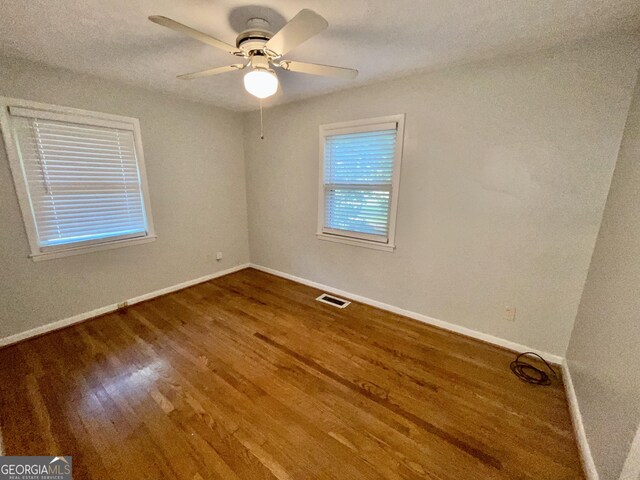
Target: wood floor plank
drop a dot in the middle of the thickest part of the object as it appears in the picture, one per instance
(248, 377)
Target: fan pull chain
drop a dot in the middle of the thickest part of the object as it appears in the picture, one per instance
(261, 124)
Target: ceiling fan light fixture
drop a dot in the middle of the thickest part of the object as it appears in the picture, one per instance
(261, 82)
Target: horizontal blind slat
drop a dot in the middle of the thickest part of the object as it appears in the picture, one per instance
(61, 204)
(52, 217)
(92, 237)
(75, 144)
(58, 166)
(100, 176)
(60, 232)
(359, 136)
(80, 154)
(73, 130)
(84, 164)
(51, 136)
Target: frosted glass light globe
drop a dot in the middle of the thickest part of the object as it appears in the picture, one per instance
(261, 83)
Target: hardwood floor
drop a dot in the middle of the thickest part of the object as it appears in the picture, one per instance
(248, 377)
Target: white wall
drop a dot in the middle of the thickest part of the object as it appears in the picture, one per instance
(195, 164)
(605, 343)
(505, 173)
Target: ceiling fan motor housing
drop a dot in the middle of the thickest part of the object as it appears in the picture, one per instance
(255, 36)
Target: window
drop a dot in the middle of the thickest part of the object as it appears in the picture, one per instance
(359, 178)
(79, 176)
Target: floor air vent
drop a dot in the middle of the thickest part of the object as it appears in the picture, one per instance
(331, 300)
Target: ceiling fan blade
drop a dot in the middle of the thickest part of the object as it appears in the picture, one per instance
(212, 71)
(203, 37)
(300, 28)
(316, 69)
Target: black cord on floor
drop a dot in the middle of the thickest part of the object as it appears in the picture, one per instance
(530, 374)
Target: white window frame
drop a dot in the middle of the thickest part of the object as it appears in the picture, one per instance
(22, 189)
(358, 238)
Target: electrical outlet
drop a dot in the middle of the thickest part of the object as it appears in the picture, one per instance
(219, 256)
(510, 314)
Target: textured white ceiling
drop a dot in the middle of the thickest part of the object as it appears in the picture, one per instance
(381, 38)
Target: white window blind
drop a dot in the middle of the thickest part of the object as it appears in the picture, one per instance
(359, 165)
(82, 176)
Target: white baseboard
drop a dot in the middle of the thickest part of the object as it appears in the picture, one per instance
(516, 347)
(113, 307)
(578, 427)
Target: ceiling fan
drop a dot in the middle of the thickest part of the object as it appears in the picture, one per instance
(262, 49)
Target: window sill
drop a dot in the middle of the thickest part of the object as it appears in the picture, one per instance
(355, 242)
(37, 257)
